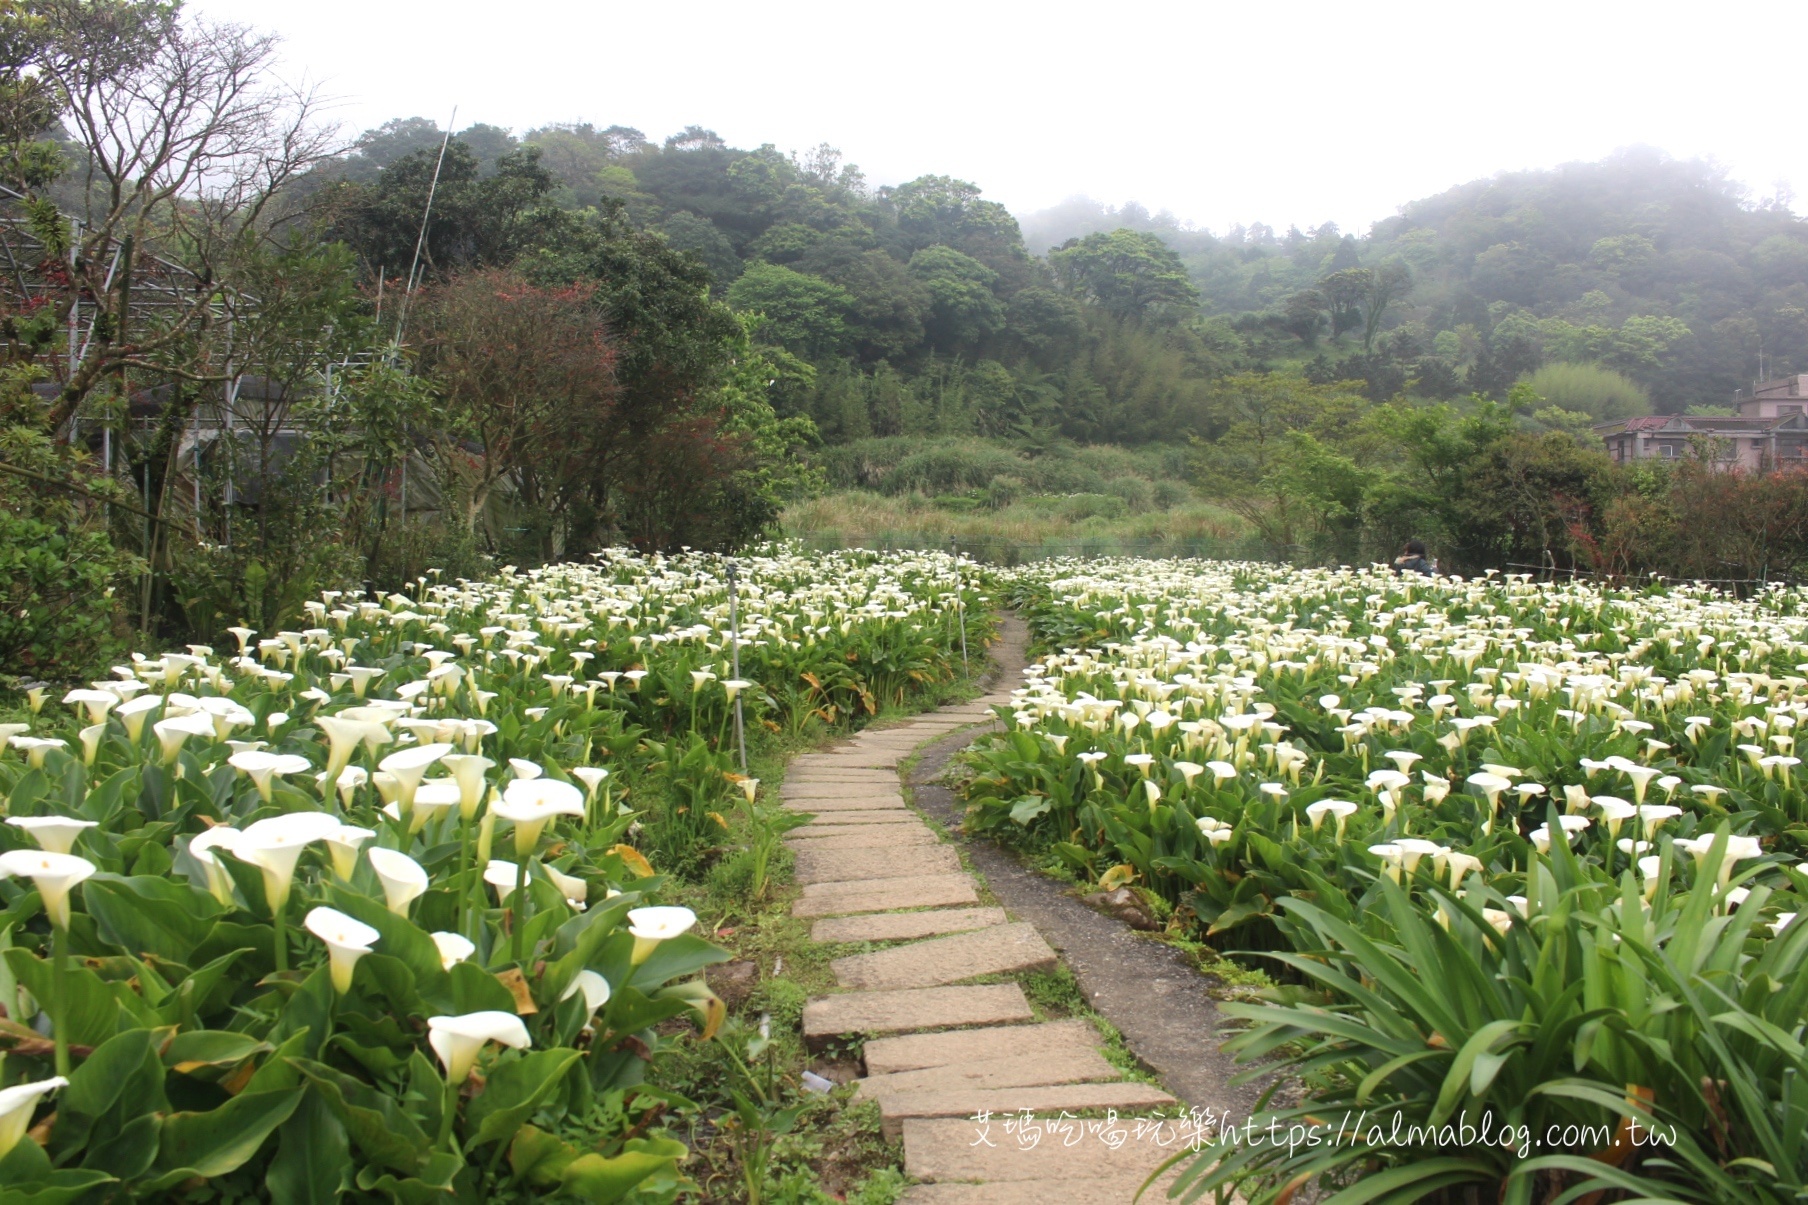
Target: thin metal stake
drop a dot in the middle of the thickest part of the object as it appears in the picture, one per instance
(734, 642)
(960, 606)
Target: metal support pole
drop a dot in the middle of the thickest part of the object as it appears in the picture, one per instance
(734, 643)
(960, 606)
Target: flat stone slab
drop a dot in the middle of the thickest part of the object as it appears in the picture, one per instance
(888, 1055)
(871, 803)
(847, 865)
(839, 773)
(1089, 1191)
(812, 791)
(824, 763)
(938, 1149)
(831, 1017)
(866, 816)
(885, 895)
(863, 836)
(895, 1109)
(997, 950)
(903, 926)
(841, 824)
(1073, 1065)
(818, 782)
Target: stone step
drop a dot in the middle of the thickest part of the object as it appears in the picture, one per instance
(1074, 1065)
(896, 1108)
(938, 1149)
(853, 1013)
(1088, 1191)
(864, 836)
(849, 865)
(896, 818)
(886, 1055)
(872, 803)
(885, 895)
(826, 763)
(851, 786)
(903, 926)
(841, 801)
(841, 791)
(998, 950)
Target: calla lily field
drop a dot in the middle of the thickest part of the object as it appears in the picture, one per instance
(365, 911)
(1524, 860)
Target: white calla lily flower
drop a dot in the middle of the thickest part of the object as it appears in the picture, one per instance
(458, 1040)
(347, 940)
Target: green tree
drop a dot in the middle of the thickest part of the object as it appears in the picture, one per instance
(941, 209)
(1600, 393)
(699, 236)
(1127, 273)
(1303, 315)
(1274, 460)
(1045, 321)
(1345, 291)
(478, 220)
(804, 314)
(885, 303)
(1388, 283)
(963, 309)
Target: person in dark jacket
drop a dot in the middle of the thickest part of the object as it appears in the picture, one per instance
(1412, 559)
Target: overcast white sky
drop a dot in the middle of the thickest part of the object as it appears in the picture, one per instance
(1277, 112)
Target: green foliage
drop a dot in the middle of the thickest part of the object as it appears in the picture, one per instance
(1659, 269)
(61, 576)
(1276, 462)
(208, 1035)
(963, 310)
(1127, 273)
(1641, 969)
(1601, 393)
(802, 313)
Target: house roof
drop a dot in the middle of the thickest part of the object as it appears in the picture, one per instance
(1703, 424)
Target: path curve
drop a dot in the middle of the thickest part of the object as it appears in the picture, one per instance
(940, 1050)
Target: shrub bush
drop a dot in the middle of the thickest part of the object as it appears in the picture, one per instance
(1079, 507)
(61, 577)
(1134, 491)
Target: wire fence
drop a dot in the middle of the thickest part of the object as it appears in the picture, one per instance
(1736, 585)
(997, 550)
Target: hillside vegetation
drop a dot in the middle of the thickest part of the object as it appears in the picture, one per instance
(1663, 270)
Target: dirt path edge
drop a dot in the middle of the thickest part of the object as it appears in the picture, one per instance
(1150, 992)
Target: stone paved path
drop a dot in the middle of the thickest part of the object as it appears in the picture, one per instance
(939, 1048)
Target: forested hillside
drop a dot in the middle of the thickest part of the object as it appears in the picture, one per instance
(907, 310)
(1315, 370)
(1659, 269)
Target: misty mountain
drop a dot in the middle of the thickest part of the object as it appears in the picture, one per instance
(1537, 266)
